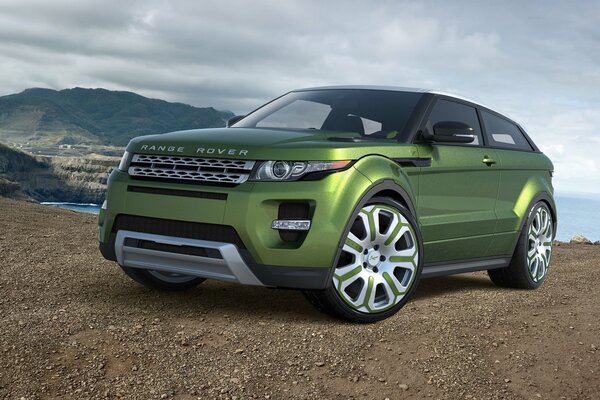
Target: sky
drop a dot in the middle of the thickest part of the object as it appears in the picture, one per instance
(536, 61)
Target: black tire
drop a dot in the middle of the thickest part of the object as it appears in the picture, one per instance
(330, 301)
(518, 274)
(152, 280)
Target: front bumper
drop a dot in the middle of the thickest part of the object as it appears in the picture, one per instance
(249, 209)
(221, 261)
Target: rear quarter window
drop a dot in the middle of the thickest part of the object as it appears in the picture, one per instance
(503, 133)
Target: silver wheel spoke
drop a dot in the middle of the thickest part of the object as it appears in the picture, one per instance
(348, 271)
(542, 270)
(353, 246)
(393, 231)
(534, 267)
(537, 223)
(545, 222)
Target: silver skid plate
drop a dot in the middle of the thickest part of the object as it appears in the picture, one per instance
(228, 267)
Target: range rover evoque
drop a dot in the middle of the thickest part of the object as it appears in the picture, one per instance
(351, 194)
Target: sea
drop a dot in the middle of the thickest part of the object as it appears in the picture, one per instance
(577, 214)
(89, 208)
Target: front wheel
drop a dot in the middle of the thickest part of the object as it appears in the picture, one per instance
(162, 280)
(378, 267)
(529, 265)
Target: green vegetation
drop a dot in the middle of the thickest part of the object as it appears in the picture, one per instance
(45, 117)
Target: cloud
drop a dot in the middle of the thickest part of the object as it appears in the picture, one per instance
(539, 63)
(571, 138)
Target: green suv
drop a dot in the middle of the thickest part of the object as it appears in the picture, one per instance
(351, 194)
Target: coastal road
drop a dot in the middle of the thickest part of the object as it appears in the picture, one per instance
(72, 325)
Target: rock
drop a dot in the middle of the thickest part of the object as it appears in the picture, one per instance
(8, 187)
(580, 239)
(403, 386)
(319, 363)
(44, 178)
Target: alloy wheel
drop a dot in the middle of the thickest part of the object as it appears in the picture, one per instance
(379, 260)
(539, 243)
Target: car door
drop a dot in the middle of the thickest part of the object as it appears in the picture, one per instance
(520, 163)
(457, 193)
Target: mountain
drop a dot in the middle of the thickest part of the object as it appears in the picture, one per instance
(95, 116)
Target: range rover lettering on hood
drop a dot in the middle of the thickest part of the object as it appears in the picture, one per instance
(229, 152)
(199, 150)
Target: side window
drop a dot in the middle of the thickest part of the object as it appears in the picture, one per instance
(503, 133)
(445, 110)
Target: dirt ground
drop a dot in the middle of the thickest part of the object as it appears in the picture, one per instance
(72, 325)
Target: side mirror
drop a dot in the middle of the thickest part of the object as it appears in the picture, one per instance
(451, 132)
(233, 120)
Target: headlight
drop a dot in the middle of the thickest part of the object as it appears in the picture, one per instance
(293, 170)
(124, 164)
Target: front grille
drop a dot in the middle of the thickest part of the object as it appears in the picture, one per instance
(212, 170)
(185, 229)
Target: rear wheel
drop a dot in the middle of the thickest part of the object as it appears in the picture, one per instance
(529, 265)
(379, 265)
(162, 280)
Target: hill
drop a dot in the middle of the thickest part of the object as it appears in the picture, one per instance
(95, 116)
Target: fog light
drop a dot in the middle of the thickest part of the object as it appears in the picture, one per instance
(291, 224)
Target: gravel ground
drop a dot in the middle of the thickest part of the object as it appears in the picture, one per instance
(72, 325)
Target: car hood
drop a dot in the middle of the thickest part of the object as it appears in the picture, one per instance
(265, 144)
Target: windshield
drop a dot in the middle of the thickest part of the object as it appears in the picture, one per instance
(366, 113)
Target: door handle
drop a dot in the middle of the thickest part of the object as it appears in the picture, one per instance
(488, 161)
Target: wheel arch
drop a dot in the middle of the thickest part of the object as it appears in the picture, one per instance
(389, 179)
(535, 189)
(396, 192)
(385, 188)
(546, 198)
